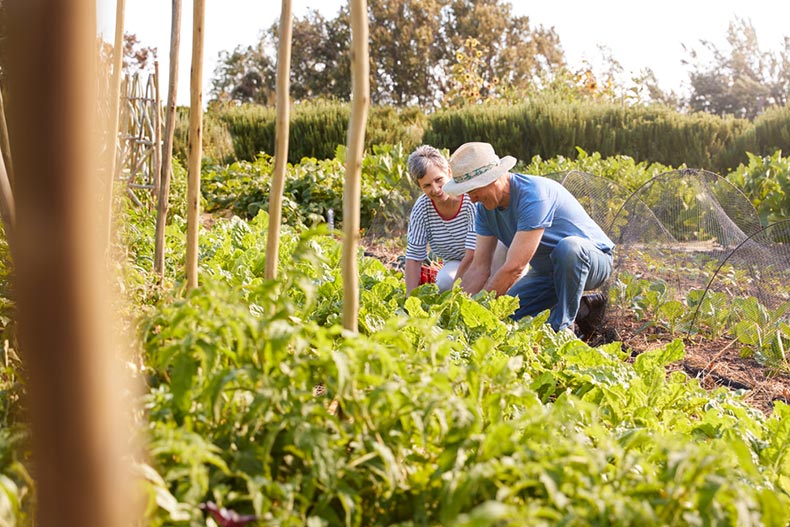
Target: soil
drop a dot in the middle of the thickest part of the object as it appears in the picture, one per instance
(715, 362)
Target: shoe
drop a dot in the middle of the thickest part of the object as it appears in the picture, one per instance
(592, 309)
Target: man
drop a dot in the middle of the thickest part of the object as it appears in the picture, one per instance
(544, 227)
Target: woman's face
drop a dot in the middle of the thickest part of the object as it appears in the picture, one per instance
(433, 181)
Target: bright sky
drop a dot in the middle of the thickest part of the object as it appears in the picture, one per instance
(637, 34)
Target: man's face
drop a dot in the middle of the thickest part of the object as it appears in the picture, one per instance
(486, 195)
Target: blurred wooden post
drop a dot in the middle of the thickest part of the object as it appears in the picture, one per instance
(80, 432)
(195, 146)
(115, 95)
(7, 208)
(281, 141)
(5, 144)
(360, 101)
(167, 146)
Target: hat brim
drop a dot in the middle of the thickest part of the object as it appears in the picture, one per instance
(456, 189)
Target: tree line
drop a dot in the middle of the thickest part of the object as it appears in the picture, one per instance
(449, 53)
(414, 45)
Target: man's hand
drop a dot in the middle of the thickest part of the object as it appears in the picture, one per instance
(521, 251)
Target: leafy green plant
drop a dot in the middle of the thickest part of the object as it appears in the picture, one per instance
(440, 411)
(713, 311)
(623, 170)
(766, 182)
(765, 333)
(312, 187)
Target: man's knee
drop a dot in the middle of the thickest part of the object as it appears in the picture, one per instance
(568, 250)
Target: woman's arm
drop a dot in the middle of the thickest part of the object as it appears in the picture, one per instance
(465, 263)
(478, 272)
(413, 268)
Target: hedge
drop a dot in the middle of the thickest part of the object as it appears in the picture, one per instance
(538, 126)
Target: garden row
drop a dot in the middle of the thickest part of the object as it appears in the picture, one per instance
(442, 411)
(540, 126)
(314, 186)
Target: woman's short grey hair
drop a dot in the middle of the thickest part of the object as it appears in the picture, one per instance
(422, 158)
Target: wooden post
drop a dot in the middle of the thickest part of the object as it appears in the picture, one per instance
(195, 146)
(77, 391)
(157, 132)
(167, 147)
(360, 101)
(115, 95)
(5, 144)
(281, 141)
(7, 208)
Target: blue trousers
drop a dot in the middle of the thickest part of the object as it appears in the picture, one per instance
(557, 280)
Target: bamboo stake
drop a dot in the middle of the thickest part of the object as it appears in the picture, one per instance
(115, 95)
(281, 141)
(167, 147)
(5, 144)
(157, 132)
(80, 434)
(195, 146)
(360, 101)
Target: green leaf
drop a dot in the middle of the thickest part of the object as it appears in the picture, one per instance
(182, 374)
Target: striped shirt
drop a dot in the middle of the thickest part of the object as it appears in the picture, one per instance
(449, 238)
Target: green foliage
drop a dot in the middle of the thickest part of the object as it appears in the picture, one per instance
(742, 79)
(412, 61)
(548, 128)
(766, 182)
(621, 169)
(242, 133)
(762, 332)
(217, 142)
(441, 411)
(311, 188)
(16, 498)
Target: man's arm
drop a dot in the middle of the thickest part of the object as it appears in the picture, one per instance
(474, 278)
(521, 251)
(413, 268)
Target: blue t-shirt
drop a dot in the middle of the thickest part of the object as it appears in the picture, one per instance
(540, 203)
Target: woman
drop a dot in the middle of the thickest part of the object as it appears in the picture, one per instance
(443, 222)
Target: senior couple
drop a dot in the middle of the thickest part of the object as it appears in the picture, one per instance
(521, 235)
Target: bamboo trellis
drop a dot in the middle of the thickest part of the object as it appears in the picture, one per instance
(139, 144)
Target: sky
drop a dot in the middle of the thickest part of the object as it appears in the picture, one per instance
(638, 35)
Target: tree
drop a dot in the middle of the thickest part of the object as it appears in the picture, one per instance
(413, 45)
(407, 47)
(514, 53)
(245, 75)
(741, 80)
(136, 56)
(320, 61)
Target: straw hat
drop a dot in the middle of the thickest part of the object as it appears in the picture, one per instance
(475, 165)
